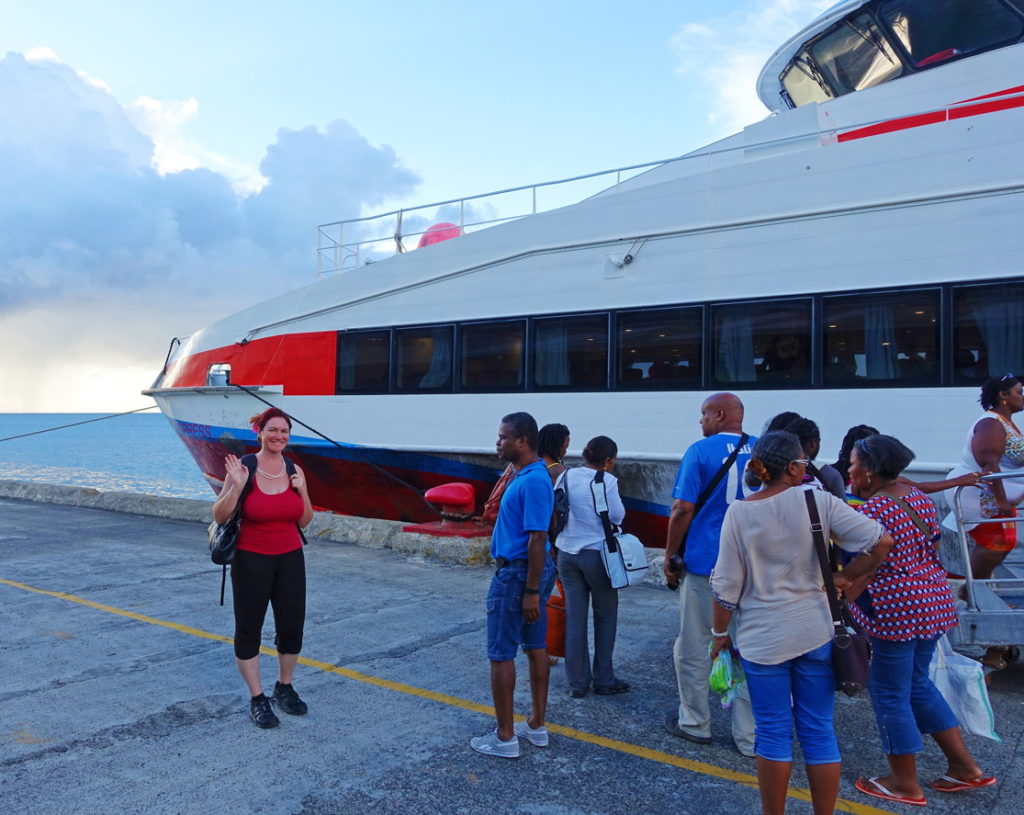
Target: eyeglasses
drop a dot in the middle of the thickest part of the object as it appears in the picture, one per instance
(804, 461)
(1009, 376)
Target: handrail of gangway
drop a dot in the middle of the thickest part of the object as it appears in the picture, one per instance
(961, 533)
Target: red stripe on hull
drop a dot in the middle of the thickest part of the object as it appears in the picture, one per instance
(303, 363)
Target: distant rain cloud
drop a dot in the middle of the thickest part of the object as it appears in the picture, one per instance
(111, 203)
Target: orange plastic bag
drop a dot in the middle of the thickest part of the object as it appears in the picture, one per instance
(556, 621)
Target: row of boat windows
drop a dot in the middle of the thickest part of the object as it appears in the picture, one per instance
(945, 335)
(889, 39)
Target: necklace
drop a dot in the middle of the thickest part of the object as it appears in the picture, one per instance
(268, 475)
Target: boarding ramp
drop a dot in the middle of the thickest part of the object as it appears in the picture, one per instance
(994, 611)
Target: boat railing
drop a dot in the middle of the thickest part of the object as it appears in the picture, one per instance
(349, 244)
(992, 615)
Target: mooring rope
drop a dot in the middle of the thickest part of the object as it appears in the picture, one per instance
(377, 467)
(76, 424)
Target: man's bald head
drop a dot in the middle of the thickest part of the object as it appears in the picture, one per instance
(721, 413)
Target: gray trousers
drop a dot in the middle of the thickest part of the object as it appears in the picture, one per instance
(586, 582)
(693, 667)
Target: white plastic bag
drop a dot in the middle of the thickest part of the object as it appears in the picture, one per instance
(961, 681)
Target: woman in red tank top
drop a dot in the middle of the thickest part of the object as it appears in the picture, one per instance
(269, 567)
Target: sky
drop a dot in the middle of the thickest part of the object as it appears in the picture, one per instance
(164, 165)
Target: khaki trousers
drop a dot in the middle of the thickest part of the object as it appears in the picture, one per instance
(693, 667)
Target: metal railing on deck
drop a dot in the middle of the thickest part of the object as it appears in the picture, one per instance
(349, 244)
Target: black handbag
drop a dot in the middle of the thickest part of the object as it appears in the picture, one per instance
(224, 537)
(851, 649)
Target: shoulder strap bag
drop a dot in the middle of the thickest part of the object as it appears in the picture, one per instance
(224, 537)
(706, 493)
(851, 649)
(911, 513)
(623, 555)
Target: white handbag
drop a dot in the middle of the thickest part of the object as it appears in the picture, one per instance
(623, 554)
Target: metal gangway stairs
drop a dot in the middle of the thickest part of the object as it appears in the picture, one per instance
(994, 612)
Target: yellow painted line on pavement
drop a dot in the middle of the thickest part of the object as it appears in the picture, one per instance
(659, 756)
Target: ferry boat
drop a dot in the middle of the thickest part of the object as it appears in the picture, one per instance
(857, 256)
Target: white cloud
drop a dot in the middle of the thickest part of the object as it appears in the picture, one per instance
(113, 237)
(163, 121)
(725, 55)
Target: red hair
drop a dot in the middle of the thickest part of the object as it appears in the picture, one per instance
(259, 421)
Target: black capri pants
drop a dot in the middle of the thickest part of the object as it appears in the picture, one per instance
(279, 580)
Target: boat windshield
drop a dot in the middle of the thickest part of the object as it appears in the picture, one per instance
(885, 40)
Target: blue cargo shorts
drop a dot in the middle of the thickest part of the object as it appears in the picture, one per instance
(506, 627)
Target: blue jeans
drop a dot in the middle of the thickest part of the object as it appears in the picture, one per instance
(800, 690)
(506, 627)
(905, 699)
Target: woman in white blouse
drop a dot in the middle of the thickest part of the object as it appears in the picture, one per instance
(768, 577)
(583, 574)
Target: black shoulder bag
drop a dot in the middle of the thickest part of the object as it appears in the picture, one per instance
(851, 649)
(224, 537)
(705, 494)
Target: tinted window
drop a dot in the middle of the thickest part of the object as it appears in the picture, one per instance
(854, 55)
(570, 352)
(423, 361)
(363, 361)
(804, 82)
(492, 356)
(659, 349)
(988, 336)
(887, 337)
(934, 31)
(762, 343)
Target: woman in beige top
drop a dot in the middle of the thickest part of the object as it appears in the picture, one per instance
(768, 576)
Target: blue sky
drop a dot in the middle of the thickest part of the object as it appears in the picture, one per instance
(166, 164)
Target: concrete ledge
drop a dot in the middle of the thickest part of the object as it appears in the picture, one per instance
(327, 526)
(370, 532)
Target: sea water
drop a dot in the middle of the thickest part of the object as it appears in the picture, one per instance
(135, 453)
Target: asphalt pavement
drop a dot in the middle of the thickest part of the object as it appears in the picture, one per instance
(119, 694)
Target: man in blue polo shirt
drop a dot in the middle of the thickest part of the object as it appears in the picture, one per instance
(522, 582)
(695, 531)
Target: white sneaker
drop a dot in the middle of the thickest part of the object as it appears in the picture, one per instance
(538, 737)
(491, 745)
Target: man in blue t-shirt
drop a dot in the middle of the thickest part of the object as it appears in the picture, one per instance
(522, 582)
(694, 532)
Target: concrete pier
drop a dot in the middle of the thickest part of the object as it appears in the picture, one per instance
(119, 692)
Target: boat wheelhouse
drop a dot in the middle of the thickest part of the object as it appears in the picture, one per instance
(857, 257)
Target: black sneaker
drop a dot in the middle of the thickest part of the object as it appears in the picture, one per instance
(261, 713)
(288, 700)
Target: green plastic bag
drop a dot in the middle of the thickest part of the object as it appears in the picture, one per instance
(726, 674)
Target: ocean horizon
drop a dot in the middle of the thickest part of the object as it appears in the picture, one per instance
(138, 452)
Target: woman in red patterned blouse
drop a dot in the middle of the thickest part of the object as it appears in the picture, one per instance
(905, 608)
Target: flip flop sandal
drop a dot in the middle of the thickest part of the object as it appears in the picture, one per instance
(876, 790)
(946, 783)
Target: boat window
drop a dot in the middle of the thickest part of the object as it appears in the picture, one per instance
(423, 359)
(887, 337)
(988, 331)
(363, 361)
(804, 83)
(762, 343)
(935, 31)
(659, 349)
(492, 356)
(854, 55)
(570, 353)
